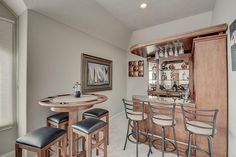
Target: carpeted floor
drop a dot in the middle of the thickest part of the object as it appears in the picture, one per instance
(118, 127)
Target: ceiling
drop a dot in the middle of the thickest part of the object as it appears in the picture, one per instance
(126, 11)
(157, 11)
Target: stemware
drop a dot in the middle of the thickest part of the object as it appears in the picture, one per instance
(171, 53)
(181, 50)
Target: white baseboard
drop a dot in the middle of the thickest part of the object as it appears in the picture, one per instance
(116, 115)
(10, 154)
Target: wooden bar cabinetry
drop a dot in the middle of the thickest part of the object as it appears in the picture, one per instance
(208, 82)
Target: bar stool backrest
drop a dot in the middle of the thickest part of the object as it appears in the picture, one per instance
(163, 112)
(134, 108)
(200, 116)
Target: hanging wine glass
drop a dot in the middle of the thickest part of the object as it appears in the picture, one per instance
(181, 50)
(166, 53)
(157, 53)
(176, 48)
(171, 53)
(161, 54)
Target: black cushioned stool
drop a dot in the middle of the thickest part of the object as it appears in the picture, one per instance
(40, 141)
(86, 130)
(98, 113)
(59, 120)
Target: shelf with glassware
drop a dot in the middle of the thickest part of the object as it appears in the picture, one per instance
(152, 75)
(173, 76)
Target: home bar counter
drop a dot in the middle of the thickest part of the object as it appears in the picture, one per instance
(181, 134)
(196, 62)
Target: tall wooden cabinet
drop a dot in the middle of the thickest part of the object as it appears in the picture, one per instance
(210, 86)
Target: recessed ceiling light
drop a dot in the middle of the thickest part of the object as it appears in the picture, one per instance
(143, 5)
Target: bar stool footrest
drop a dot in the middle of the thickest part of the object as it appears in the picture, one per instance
(166, 142)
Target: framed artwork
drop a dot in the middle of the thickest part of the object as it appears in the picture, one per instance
(136, 68)
(233, 44)
(96, 74)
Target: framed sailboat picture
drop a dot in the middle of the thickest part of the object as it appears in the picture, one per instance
(96, 74)
(233, 44)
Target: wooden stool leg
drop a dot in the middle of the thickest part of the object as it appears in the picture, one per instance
(18, 151)
(97, 140)
(107, 120)
(89, 146)
(41, 153)
(64, 146)
(105, 141)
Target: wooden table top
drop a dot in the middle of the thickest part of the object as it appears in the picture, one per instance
(67, 102)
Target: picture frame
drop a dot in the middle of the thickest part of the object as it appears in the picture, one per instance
(96, 74)
(136, 68)
(233, 44)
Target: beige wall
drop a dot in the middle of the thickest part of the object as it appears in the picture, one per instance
(54, 64)
(225, 12)
(140, 85)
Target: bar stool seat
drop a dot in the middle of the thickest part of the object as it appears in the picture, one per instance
(197, 127)
(41, 140)
(95, 112)
(41, 137)
(59, 117)
(157, 119)
(89, 125)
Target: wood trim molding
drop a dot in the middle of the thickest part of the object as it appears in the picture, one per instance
(135, 49)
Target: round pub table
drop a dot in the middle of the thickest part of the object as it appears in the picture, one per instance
(69, 103)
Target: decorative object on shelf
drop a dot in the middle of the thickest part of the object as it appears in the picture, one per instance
(233, 44)
(171, 67)
(174, 87)
(77, 89)
(96, 74)
(184, 65)
(136, 68)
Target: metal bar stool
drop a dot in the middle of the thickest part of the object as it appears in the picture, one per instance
(200, 122)
(59, 120)
(85, 130)
(163, 115)
(134, 111)
(41, 140)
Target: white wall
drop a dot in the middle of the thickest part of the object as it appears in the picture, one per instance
(22, 73)
(137, 85)
(5, 13)
(225, 12)
(54, 64)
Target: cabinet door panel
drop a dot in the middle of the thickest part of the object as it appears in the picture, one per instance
(210, 87)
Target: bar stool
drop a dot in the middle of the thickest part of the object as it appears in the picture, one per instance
(134, 111)
(98, 113)
(86, 129)
(59, 120)
(40, 141)
(200, 122)
(163, 115)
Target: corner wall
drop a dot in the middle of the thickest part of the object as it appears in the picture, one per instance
(54, 65)
(224, 12)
